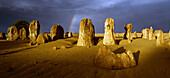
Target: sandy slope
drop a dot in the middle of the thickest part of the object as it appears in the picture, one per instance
(78, 62)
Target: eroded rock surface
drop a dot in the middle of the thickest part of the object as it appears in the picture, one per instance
(34, 30)
(57, 32)
(109, 37)
(145, 33)
(86, 33)
(12, 33)
(43, 38)
(151, 35)
(23, 34)
(160, 39)
(127, 35)
(105, 58)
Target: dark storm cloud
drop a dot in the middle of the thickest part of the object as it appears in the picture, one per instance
(141, 14)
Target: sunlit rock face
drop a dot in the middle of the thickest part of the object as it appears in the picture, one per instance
(127, 35)
(34, 30)
(135, 35)
(109, 37)
(105, 58)
(86, 33)
(43, 38)
(12, 33)
(145, 33)
(23, 34)
(70, 34)
(151, 35)
(2, 35)
(57, 32)
(159, 37)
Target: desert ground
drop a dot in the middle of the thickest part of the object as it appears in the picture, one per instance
(18, 59)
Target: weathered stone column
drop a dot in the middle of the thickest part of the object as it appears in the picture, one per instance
(34, 30)
(151, 35)
(23, 33)
(160, 39)
(12, 33)
(127, 34)
(86, 33)
(145, 33)
(109, 37)
(57, 32)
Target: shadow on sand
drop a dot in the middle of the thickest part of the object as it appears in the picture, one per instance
(11, 52)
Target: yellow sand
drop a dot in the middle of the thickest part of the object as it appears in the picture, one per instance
(20, 60)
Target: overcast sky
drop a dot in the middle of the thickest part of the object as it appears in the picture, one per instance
(141, 13)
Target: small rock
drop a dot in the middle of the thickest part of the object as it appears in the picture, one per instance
(63, 47)
(54, 48)
(88, 46)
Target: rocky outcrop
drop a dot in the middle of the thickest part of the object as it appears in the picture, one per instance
(105, 58)
(127, 35)
(23, 34)
(109, 37)
(34, 30)
(2, 35)
(43, 38)
(86, 33)
(57, 32)
(159, 36)
(12, 33)
(151, 35)
(145, 33)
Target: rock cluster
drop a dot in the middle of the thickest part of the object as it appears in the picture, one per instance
(57, 32)
(109, 37)
(159, 36)
(12, 33)
(34, 30)
(105, 58)
(127, 35)
(86, 33)
(145, 33)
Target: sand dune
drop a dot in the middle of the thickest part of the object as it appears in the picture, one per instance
(18, 59)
